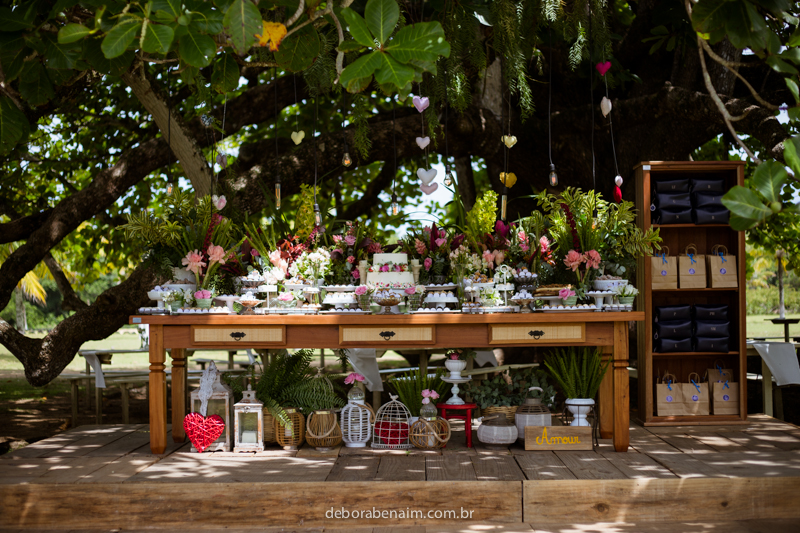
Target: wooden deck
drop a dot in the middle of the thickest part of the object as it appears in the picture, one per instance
(107, 473)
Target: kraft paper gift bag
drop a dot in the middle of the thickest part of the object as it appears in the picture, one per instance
(722, 268)
(669, 399)
(691, 269)
(664, 270)
(725, 398)
(696, 399)
(719, 374)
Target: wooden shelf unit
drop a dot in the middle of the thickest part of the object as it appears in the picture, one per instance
(676, 237)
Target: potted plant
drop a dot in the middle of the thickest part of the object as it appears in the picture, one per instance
(364, 296)
(579, 372)
(626, 293)
(410, 386)
(495, 395)
(568, 296)
(455, 364)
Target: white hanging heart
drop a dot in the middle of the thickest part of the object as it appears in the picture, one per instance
(422, 142)
(298, 136)
(421, 103)
(618, 181)
(509, 140)
(426, 176)
(429, 189)
(605, 106)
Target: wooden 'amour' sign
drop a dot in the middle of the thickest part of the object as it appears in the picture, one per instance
(558, 438)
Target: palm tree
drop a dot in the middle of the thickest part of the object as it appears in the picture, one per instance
(29, 287)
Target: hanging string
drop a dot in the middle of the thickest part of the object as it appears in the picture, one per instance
(611, 128)
(344, 119)
(170, 185)
(275, 93)
(550, 97)
(591, 96)
(294, 79)
(422, 123)
(316, 108)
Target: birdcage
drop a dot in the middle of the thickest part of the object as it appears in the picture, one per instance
(392, 422)
(356, 420)
(323, 431)
(430, 432)
(291, 435)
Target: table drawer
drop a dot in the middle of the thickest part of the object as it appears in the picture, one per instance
(537, 333)
(391, 335)
(239, 334)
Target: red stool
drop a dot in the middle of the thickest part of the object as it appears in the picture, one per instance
(466, 416)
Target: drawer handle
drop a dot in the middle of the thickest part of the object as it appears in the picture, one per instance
(387, 335)
(238, 335)
(536, 334)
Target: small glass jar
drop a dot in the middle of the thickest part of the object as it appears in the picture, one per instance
(428, 411)
(356, 394)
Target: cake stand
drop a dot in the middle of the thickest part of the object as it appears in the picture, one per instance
(156, 296)
(249, 305)
(524, 304)
(387, 302)
(228, 299)
(455, 400)
(599, 297)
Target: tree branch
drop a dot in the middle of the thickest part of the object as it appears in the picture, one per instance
(367, 201)
(70, 301)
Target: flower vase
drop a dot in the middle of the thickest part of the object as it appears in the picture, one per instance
(414, 301)
(365, 302)
(572, 300)
(626, 300)
(455, 366)
(203, 303)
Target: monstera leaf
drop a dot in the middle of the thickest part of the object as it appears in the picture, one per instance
(394, 61)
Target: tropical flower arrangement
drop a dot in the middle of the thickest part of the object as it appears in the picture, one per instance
(584, 266)
(312, 265)
(432, 246)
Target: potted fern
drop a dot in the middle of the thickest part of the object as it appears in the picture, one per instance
(410, 386)
(579, 372)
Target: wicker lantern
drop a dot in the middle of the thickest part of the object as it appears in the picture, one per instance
(390, 430)
(323, 431)
(532, 413)
(248, 419)
(497, 430)
(430, 432)
(219, 403)
(356, 420)
(291, 435)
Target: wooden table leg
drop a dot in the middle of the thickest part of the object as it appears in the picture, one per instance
(158, 391)
(178, 393)
(606, 406)
(126, 409)
(619, 367)
(766, 384)
(74, 398)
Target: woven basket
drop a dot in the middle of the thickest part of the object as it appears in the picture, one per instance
(269, 427)
(509, 411)
(291, 437)
(322, 430)
(430, 434)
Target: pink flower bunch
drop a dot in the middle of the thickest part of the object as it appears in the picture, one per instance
(351, 259)
(440, 242)
(419, 246)
(592, 259)
(361, 290)
(337, 239)
(454, 356)
(573, 260)
(286, 297)
(410, 290)
(202, 295)
(428, 395)
(384, 268)
(352, 377)
(193, 262)
(428, 263)
(216, 254)
(350, 240)
(278, 261)
(565, 293)
(254, 253)
(374, 248)
(495, 257)
(355, 273)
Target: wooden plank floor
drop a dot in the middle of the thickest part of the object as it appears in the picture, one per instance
(120, 454)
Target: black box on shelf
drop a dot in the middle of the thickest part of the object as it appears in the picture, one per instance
(710, 312)
(706, 344)
(712, 328)
(673, 329)
(672, 345)
(673, 312)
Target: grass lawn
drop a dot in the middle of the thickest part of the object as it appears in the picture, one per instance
(760, 326)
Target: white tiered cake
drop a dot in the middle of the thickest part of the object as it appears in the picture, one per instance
(390, 270)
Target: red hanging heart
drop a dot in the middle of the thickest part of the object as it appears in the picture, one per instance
(617, 194)
(603, 67)
(203, 431)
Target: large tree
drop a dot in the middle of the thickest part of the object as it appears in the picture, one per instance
(102, 102)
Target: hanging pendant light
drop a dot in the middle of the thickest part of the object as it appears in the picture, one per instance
(553, 176)
(395, 207)
(448, 175)
(277, 174)
(346, 161)
(317, 216)
(278, 191)
(170, 188)
(504, 204)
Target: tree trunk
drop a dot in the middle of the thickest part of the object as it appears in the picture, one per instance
(22, 317)
(466, 181)
(781, 307)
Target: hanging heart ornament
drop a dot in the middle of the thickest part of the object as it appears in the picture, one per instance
(508, 179)
(429, 189)
(426, 176)
(422, 142)
(605, 106)
(202, 431)
(618, 181)
(509, 140)
(421, 103)
(298, 136)
(603, 67)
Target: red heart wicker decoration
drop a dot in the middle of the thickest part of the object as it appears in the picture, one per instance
(203, 431)
(391, 433)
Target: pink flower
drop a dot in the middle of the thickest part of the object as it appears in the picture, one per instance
(573, 260)
(278, 261)
(426, 401)
(202, 295)
(489, 258)
(499, 256)
(361, 290)
(524, 247)
(219, 202)
(374, 248)
(419, 246)
(352, 377)
(355, 274)
(440, 242)
(216, 254)
(426, 393)
(398, 268)
(434, 395)
(592, 259)
(350, 240)
(254, 252)
(351, 259)
(454, 355)
(410, 290)
(521, 236)
(337, 251)
(193, 261)
(544, 245)
(428, 263)
(337, 239)
(565, 293)
(384, 268)
(286, 297)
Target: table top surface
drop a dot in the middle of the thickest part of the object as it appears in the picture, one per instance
(384, 320)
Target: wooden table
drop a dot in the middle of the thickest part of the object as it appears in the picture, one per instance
(178, 333)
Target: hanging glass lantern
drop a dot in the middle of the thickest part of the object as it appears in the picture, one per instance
(219, 403)
(170, 188)
(356, 420)
(532, 413)
(346, 161)
(278, 192)
(395, 208)
(323, 431)
(317, 215)
(431, 431)
(504, 205)
(390, 430)
(291, 435)
(553, 176)
(248, 426)
(448, 176)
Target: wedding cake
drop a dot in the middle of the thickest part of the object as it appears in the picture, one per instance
(390, 270)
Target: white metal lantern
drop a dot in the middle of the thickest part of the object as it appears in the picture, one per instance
(392, 422)
(532, 413)
(219, 403)
(356, 420)
(248, 429)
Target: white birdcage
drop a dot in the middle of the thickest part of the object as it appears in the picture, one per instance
(390, 430)
(356, 420)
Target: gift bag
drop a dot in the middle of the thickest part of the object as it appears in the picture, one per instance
(691, 269)
(722, 268)
(669, 400)
(664, 270)
(725, 398)
(696, 400)
(718, 374)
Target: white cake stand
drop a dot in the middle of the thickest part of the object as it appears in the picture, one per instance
(228, 299)
(455, 400)
(156, 296)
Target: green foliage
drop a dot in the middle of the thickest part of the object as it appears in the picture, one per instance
(511, 388)
(765, 301)
(578, 371)
(753, 205)
(410, 385)
(304, 218)
(481, 218)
